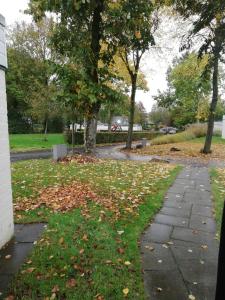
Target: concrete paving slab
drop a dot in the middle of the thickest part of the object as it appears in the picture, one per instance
(191, 235)
(13, 255)
(203, 223)
(159, 285)
(190, 251)
(172, 220)
(178, 212)
(205, 211)
(157, 257)
(157, 233)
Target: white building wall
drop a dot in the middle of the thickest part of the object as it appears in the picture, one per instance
(6, 208)
(223, 129)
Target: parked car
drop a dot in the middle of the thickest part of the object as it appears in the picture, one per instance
(168, 130)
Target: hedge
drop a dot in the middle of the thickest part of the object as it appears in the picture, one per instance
(109, 137)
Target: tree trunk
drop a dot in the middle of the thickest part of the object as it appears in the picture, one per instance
(73, 137)
(132, 108)
(46, 130)
(91, 120)
(90, 133)
(209, 135)
(110, 120)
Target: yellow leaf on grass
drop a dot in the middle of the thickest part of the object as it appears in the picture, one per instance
(125, 291)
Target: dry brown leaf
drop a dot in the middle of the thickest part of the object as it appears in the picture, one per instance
(71, 283)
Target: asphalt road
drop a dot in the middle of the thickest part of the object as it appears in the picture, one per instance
(30, 155)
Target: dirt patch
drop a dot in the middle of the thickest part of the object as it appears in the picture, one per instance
(187, 150)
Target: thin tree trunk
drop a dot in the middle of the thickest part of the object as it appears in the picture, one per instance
(209, 135)
(73, 138)
(46, 130)
(110, 120)
(131, 117)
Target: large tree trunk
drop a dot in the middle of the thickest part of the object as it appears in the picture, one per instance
(91, 120)
(90, 134)
(132, 108)
(209, 135)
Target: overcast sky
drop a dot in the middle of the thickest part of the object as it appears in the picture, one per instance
(154, 64)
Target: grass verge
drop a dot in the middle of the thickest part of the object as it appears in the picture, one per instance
(218, 190)
(91, 254)
(27, 142)
(194, 131)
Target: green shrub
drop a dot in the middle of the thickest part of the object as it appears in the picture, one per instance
(192, 132)
(217, 132)
(109, 137)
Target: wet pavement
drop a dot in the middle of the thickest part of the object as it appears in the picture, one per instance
(13, 255)
(179, 250)
(114, 152)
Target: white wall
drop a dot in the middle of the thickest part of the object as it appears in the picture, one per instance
(223, 129)
(6, 209)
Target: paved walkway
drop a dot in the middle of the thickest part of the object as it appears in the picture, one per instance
(179, 250)
(13, 255)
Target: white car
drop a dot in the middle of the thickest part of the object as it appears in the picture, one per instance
(168, 130)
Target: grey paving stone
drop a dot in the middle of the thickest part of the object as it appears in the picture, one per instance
(179, 212)
(201, 291)
(190, 235)
(172, 220)
(172, 285)
(178, 189)
(17, 250)
(157, 233)
(190, 252)
(18, 254)
(29, 233)
(185, 182)
(193, 198)
(202, 223)
(193, 270)
(177, 204)
(202, 210)
(158, 259)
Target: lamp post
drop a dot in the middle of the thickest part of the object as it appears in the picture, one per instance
(6, 207)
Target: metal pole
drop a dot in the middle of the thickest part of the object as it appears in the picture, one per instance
(220, 288)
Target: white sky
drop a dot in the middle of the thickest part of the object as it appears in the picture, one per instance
(154, 64)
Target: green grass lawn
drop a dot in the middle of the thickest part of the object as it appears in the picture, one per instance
(215, 140)
(89, 253)
(26, 142)
(218, 189)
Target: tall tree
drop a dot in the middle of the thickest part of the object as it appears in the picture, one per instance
(189, 88)
(209, 23)
(139, 23)
(32, 42)
(83, 35)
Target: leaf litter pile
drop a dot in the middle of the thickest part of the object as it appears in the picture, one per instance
(60, 198)
(80, 159)
(110, 184)
(186, 150)
(90, 252)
